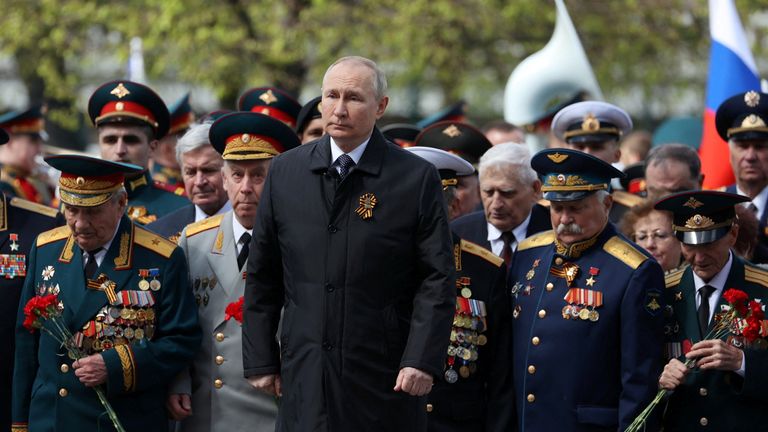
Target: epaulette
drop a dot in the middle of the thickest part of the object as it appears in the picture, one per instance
(627, 199)
(756, 275)
(624, 252)
(537, 240)
(174, 189)
(204, 225)
(53, 235)
(674, 276)
(34, 207)
(544, 202)
(482, 252)
(153, 242)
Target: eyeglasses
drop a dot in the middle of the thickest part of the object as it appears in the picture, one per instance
(642, 236)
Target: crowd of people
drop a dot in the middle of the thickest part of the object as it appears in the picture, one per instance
(296, 268)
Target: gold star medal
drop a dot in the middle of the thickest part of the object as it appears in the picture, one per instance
(367, 203)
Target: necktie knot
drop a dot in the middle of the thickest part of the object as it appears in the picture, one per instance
(242, 257)
(506, 253)
(345, 164)
(245, 239)
(91, 266)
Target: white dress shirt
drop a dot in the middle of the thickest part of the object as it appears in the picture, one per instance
(497, 243)
(238, 230)
(759, 201)
(355, 154)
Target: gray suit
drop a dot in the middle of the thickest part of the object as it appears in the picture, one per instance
(212, 256)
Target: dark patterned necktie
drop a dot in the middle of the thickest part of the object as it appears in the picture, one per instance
(703, 311)
(242, 257)
(345, 164)
(91, 266)
(506, 253)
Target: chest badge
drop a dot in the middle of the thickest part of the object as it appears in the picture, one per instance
(367, 202)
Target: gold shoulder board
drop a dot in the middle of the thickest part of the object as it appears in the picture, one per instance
(53, 235)
(627, 199)
(674, 277)
(153, 242)
(537, 240)
(756, 275)
(34, 207)
(476, 249)
(624, 252)
(204, 225)
(544, 203)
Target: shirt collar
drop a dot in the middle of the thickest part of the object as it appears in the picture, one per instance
(518, 231)
(759, 201)
(100, 254)
(238, 229)
(200, 214)
(719, 280)
(355, 154)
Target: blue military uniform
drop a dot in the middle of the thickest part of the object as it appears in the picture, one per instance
(587, 317)
(713, 399)
(138, 313)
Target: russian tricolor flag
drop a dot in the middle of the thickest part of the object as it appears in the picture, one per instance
(731, 70)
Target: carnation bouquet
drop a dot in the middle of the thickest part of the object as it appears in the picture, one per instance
(44, 313)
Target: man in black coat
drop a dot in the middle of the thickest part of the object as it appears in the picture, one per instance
(509, 188)
(352, 240)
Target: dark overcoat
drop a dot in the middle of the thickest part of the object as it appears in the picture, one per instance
(365, 294)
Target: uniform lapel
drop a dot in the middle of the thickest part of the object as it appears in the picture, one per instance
(224, 262)
(687, 314)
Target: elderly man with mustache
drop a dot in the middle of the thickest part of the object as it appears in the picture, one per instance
(587, 307)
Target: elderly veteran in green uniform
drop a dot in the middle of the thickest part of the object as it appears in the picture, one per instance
(217, 249)
(126, 298)
(130, 118)
(725, 390)
(587, 308)
(475, 391)
(596, 128)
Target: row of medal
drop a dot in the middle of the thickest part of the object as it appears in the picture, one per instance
(469, 322)
(13, 265)
(153, 284)
(582, 304)
(200, 286)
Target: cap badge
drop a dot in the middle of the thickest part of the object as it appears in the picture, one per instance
(563, 180)
(452, 131)
(119, 106)
(120, 91)
(245, 138)
(693, 203)
(557, 157)
(590, 123)
(367, 202)
(80, 181)
(751, 98)
(268, 97)
(752, 121)
(699, 221)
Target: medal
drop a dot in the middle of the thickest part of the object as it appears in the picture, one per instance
(138, 334)
(464, 372)
(594, 315)
(143, 284)
(155, 285)
(14, 238)
(482, 340)
(367, 202)
(48, 273)
(466, 292)
(212, 283)
(584, 314)
(451, 376)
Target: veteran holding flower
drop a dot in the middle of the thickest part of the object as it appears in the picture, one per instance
(124, 295)
(724, 389)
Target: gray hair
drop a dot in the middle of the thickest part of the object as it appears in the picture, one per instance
(510, 158)
(193, 139)
(677, 152)
(380, 80)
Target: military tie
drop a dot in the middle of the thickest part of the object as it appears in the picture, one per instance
(345, 164)
(91, 265)
(242, 257)
(703, 311)
(506, 252)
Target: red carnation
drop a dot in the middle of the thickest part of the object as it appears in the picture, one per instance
(752, 331)
(757, 309)
(234, 310)
(738, 300)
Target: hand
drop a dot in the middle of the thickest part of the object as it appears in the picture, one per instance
(270, 384)
(179, 406)
(91, 370)
(413, 381)
(716, 355)
(673, 375)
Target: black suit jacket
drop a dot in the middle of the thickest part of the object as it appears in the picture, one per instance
(364, 294)
(170, 225)
(473, 227)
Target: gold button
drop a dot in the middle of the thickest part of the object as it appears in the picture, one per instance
(63, 392)
(531, 369)
(430, 407)
(550, 286)
(535, 340)
(218, 383)
(558, 261)
(64, 368)
(542, 313)
(531, 397)
(219, 337)
(703, 391)
(703, 421)
(219, 360)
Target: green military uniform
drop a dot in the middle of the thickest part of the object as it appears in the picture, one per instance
(138, 313)
(148, 200)
(715, 400)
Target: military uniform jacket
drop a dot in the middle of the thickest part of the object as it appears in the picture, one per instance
(148, 201)
(46, 393)
(30, 188)
(20, 222)
(593, 370)
(716, 400)
(365, 293)
(222, 399)
(760, 254)
(474, 227)
(171, 225)
(483, 400)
